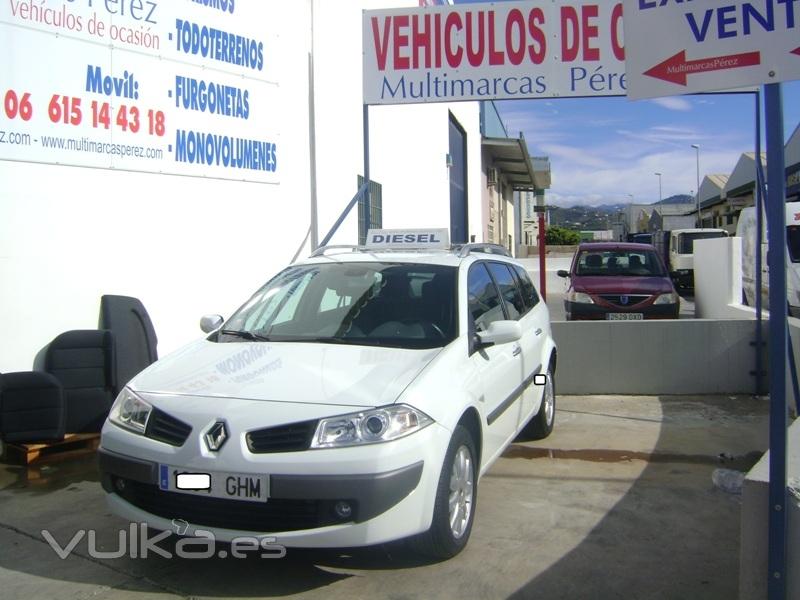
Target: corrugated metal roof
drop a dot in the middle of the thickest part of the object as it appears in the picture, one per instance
(744, 173)
(718, 179)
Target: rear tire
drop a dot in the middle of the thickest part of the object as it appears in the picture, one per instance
(456, 499)
(541, 426)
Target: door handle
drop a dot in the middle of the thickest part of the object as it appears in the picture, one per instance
(516, 351)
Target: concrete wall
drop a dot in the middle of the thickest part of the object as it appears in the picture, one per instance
(718, 284)
(691, 356)
(718, 279)
(754, 541)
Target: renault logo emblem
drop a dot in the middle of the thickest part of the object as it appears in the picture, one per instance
(216, 436)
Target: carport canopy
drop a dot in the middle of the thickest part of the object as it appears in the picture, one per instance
(510, 157)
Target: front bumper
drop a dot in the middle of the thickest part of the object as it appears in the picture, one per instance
(136, 481)
(390, 488)
(578, 311)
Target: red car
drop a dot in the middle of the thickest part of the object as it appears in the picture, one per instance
(619, 281)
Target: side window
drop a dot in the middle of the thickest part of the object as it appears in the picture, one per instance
(485, 305)
(508, 289)
(529, 294)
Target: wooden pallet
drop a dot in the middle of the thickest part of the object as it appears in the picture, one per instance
(73, 444)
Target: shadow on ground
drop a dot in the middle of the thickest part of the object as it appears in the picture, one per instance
(673, 535)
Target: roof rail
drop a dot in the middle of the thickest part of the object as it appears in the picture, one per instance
(468, 249)
(461, 250)
(322, 249)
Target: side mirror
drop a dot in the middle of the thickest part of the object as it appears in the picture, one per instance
(211, 323)
(562, 273)
(500, 332)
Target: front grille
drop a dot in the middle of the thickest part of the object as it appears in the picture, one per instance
(167, 429)
(275, 515)
(633, 299)
(284, 438)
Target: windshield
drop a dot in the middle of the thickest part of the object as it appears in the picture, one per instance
(376, 304)
(634, 263)
(686, 240)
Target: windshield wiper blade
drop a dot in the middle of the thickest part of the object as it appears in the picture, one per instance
(247, 335)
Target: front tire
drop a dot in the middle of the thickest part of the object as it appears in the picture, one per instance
(456, 496)
(541, 426)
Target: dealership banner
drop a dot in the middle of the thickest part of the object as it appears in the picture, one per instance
(504, 50)
(184, 88)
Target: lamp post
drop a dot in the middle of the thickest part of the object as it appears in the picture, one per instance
(659, 186)
(697, 153)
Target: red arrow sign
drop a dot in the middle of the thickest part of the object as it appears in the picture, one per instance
(676, 68)
(795, 51)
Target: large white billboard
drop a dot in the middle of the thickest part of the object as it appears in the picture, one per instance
(186, 88)
(507, 50)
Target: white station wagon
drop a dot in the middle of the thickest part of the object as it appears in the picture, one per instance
(355, 399)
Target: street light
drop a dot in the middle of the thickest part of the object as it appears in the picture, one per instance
(659, 186)
(699, 216)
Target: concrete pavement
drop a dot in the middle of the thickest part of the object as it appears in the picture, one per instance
(617, 503)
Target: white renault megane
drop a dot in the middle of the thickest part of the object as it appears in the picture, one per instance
(355, 399)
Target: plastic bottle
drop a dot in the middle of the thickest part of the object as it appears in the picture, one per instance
(728, 480)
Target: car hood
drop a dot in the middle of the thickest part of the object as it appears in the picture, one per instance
(330, 374)
(622, 285)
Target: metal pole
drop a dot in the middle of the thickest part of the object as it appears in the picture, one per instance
(312, 141)
(542, 266)
(659, 185)
(699, 214)
(367, 198)
(759, 241)
(776, 259)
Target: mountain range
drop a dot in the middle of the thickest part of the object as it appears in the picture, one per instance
(594, 218)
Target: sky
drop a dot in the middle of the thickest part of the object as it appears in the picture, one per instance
(607, 150)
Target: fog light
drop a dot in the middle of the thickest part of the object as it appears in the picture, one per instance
(343, 509)
(119, 483)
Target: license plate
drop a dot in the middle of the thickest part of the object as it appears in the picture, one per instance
(232, 486)
(624, 316)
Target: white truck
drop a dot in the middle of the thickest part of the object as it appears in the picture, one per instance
(676, 247)
(746, 229)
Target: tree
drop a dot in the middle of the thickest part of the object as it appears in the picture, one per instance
(561, 236)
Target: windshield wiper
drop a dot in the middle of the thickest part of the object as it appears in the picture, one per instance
(247, 335)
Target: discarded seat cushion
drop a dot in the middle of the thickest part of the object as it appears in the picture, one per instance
(31, 407)
(83, 362)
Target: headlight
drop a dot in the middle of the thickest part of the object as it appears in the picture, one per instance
(130, 412)
(369, 427)
(671, 298)
(579, 297)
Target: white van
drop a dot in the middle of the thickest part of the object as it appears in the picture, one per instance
(681, 253)
(746, 229)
